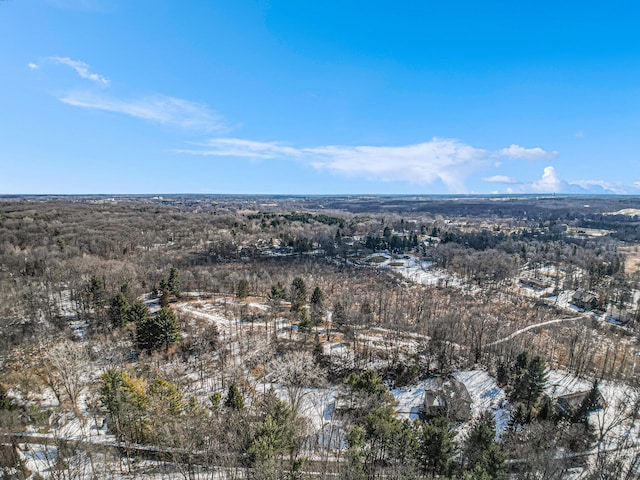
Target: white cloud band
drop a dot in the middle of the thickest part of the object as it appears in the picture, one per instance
(500, 179)
(447, 160)
(82, 69)
(159, 108)
(444, 159)
(537, 153)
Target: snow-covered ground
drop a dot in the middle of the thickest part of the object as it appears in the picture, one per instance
(532, 327)
(615, 421)
(317, 405)
(486, 395)
(482, 387)
(414, 269)
(207, 311)
(410, 398)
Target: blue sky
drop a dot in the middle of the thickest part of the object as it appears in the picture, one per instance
(322, 97)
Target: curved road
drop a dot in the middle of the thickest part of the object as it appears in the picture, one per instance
(531, 327)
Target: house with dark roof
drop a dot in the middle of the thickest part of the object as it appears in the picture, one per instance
(584, 300)
(567, 405)
(446, 397)
(534, 283)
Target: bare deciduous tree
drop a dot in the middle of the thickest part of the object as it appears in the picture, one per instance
(296, 370)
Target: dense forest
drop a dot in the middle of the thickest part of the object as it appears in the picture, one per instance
(319, 337)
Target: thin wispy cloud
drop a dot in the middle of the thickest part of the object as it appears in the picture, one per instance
(536, 153)
(447, 160)
(160, 109)
(82, 69)
(500, 179)
(237, 147)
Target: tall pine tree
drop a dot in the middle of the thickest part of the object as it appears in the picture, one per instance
(160, 330)
(173, 283)
(317, 306)
(298, 294)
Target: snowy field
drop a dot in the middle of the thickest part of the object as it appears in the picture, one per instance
(414, 269)
(483, 389)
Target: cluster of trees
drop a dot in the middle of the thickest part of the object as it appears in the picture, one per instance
(157, 331)
(302, 217)
(490, 257)
(524, 382)
(265, 438)
(307, 310)
(152, 331)
(380, 444)
(392, 242)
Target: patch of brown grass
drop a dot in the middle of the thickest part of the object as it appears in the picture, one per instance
(631, 258)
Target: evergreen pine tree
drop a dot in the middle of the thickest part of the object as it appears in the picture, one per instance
(546, 410)
(160, 330)
(125, 289)
(164, 298)
(5, 403)
(478, 473)
(168, 329)
(242, 290)
(589, 404)
(519, 416)
(173, 283)
(277, 291)
(137, 313)
(536, 380)
(317, 306)
(527, 380)
(96, 292)
(304, 321)
(126, 401)
(119, 310)
(215, 401)
(339, 316)
(165, 397)
(481, 450)
(436, 447)
(234, 400)
(298, 294)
